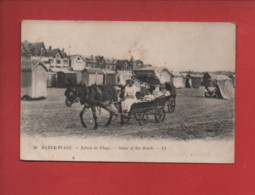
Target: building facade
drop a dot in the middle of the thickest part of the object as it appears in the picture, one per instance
(77, 62)
(50, 57)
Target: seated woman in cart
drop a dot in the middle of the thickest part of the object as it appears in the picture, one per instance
(129, 96)
(164, 91)
(157, 92)
(160, 90)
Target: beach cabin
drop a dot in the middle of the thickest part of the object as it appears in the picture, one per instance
(110, 77)
(66, 77)
(193, 80)
(92, 76)
(51, 79)
(78, 77)
(177, 79)
(33, 79)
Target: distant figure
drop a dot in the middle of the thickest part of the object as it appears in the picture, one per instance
(129, 95)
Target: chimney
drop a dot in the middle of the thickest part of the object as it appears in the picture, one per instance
(50, 48)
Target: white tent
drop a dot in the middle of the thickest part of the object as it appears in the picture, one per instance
(225, 86)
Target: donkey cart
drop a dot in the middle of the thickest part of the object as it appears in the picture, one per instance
(141, 110)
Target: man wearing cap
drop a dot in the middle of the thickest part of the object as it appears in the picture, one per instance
(129, 96)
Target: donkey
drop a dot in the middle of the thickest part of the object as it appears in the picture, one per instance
(102, 96)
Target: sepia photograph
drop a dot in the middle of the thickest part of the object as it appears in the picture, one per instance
(111, 91)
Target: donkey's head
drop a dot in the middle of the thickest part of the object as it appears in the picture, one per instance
(71, 96)
(74, 93)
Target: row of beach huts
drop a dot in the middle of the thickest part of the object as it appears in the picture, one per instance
(36, 78)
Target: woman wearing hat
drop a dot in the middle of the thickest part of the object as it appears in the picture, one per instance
(129, 96)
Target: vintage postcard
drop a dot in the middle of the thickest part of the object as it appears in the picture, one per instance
(127, 91)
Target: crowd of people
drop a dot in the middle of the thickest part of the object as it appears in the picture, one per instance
(131, 94)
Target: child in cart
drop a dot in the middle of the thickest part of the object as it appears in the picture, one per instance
(164, 91)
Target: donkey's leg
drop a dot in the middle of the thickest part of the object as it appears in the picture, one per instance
(122, 119)
(81, 117)
(93, 108)
(109, 120)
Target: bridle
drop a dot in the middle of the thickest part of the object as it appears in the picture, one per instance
(71, 97)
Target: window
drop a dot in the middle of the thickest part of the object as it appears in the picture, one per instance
(78, 60)
(58, 61)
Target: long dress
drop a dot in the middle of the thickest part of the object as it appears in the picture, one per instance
(130, 98)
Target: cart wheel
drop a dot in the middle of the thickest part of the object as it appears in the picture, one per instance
(171, 105)
(160, 115)
(143, 119)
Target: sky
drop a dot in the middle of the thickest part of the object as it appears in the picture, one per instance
(179, 46)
